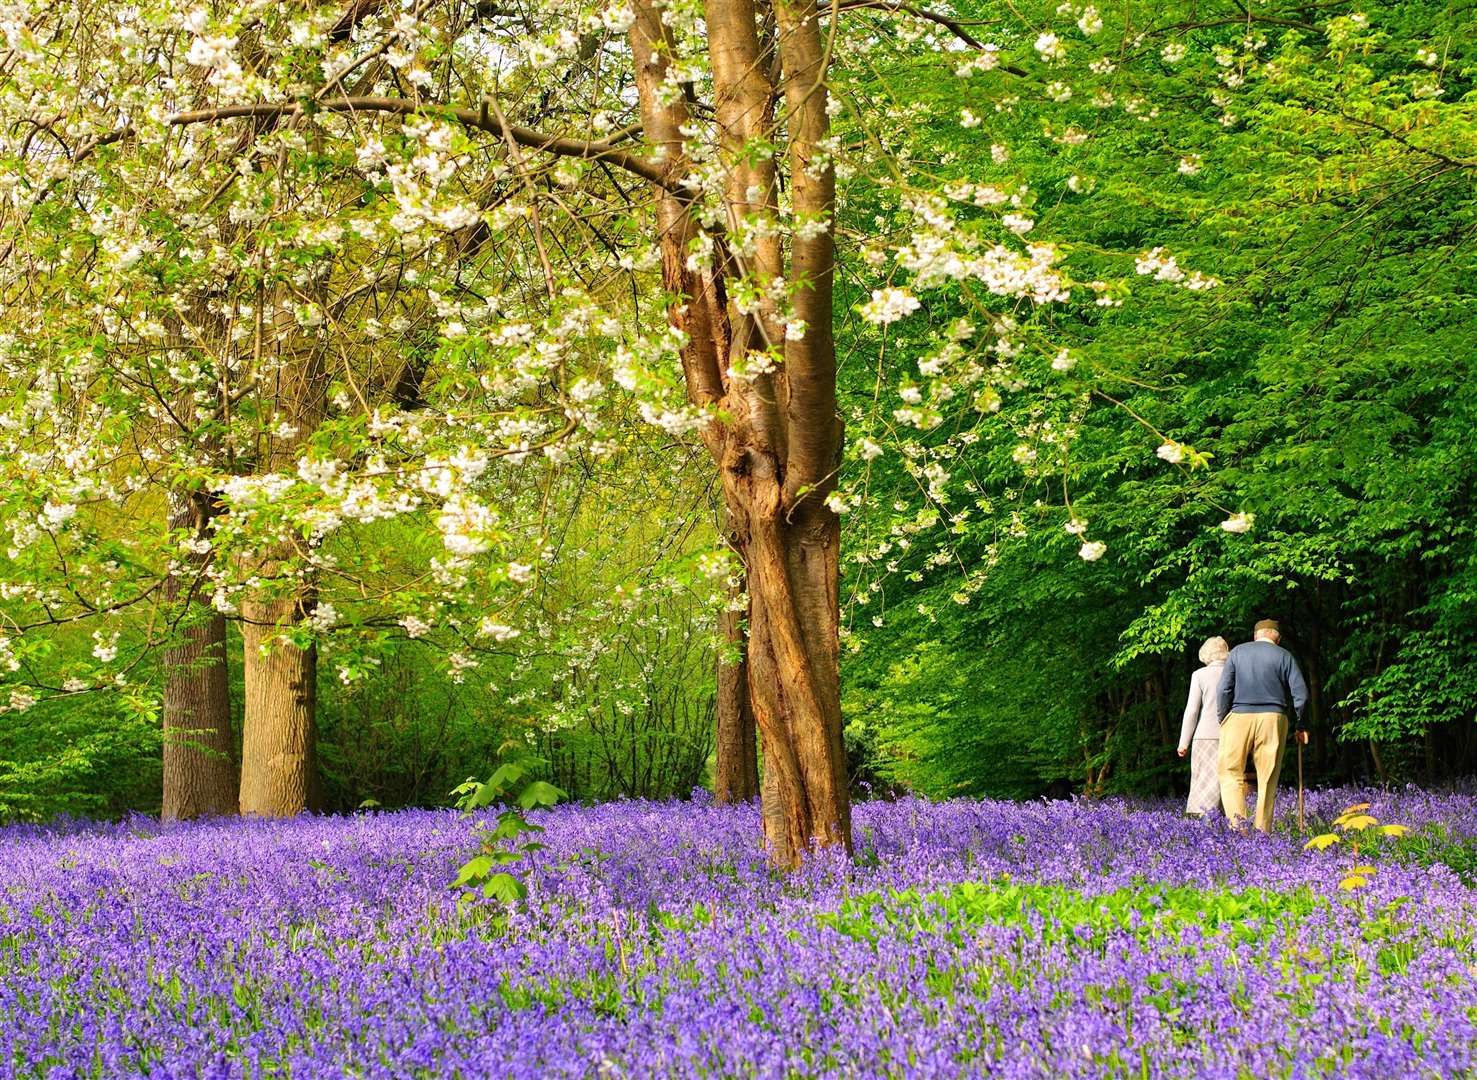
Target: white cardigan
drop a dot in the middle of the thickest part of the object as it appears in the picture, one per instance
(1202, 710)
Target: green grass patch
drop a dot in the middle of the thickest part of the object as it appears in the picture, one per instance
(1064, 913)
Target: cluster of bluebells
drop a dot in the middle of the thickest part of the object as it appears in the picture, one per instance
(657, 942)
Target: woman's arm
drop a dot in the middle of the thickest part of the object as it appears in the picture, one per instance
(1192, 711)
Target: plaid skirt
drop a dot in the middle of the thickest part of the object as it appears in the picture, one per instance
(1205, 784)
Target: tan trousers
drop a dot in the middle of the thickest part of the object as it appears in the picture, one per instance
(1262, 736)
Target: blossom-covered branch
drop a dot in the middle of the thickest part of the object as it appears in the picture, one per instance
(481, 119)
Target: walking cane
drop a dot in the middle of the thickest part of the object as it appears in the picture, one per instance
(1302, 828)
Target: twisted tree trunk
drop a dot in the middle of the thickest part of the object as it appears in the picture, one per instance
(794, 681)
(778, 445)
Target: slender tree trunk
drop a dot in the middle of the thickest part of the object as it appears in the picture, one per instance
(199, 758)
(1155, 689)
(736, 768)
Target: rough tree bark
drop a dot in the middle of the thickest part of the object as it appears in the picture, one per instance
(279, 766)
(199, 751)
(778, 451)
(736, 768)
(279, 763)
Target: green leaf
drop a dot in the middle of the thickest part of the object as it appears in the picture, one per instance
(506, 774)
(472, 871)
(504, 887)
(539, 793)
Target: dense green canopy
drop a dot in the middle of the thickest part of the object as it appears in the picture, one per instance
(1326, 175)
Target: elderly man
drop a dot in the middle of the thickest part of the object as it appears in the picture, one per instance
(1261, 687)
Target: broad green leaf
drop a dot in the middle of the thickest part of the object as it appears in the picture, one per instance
(473, 870)
(539, 793)
(504, 887)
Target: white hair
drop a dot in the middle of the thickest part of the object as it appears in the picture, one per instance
(1214, 650)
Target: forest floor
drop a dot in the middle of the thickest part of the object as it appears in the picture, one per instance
(1108, 939)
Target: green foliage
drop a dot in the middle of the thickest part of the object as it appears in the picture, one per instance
(1319, 166)
(404, 733)
(504, 845)
(1069, 916)
(1328, 379)
(94, 754)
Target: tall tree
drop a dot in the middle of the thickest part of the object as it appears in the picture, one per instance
(279, 756)
(199, 746)
(464, 184)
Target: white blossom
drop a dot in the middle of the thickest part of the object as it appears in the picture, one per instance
(105, 649)
(987, 59)
(1051, 48)
(324, 617)
(889, 305)
(618, 18)
(490, 627)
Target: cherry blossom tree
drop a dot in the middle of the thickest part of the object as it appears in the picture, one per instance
(311, 268)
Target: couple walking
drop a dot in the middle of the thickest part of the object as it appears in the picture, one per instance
(1241, 704)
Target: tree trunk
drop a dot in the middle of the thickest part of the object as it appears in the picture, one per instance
(736, 766)
(279, 767)
(279, 758)
(199, 759)
(1154, 686)
(794, 680)
(777, 446)
(736, 771)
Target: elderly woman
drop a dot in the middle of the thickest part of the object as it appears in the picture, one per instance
(1201, 729)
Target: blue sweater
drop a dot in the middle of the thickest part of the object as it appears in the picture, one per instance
(1262, 677)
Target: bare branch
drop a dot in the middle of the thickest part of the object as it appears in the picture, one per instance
(953, 26)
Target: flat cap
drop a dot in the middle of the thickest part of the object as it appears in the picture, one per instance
(1267, 624)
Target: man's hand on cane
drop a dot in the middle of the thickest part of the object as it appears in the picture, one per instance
(1300, 737)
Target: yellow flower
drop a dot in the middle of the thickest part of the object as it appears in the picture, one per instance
(1356, 808)
(1352, 882)
(1318, 843)
(1364, 871)
(1361, 821)
(1394, 830)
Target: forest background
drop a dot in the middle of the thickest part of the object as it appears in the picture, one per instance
(1295, 443)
